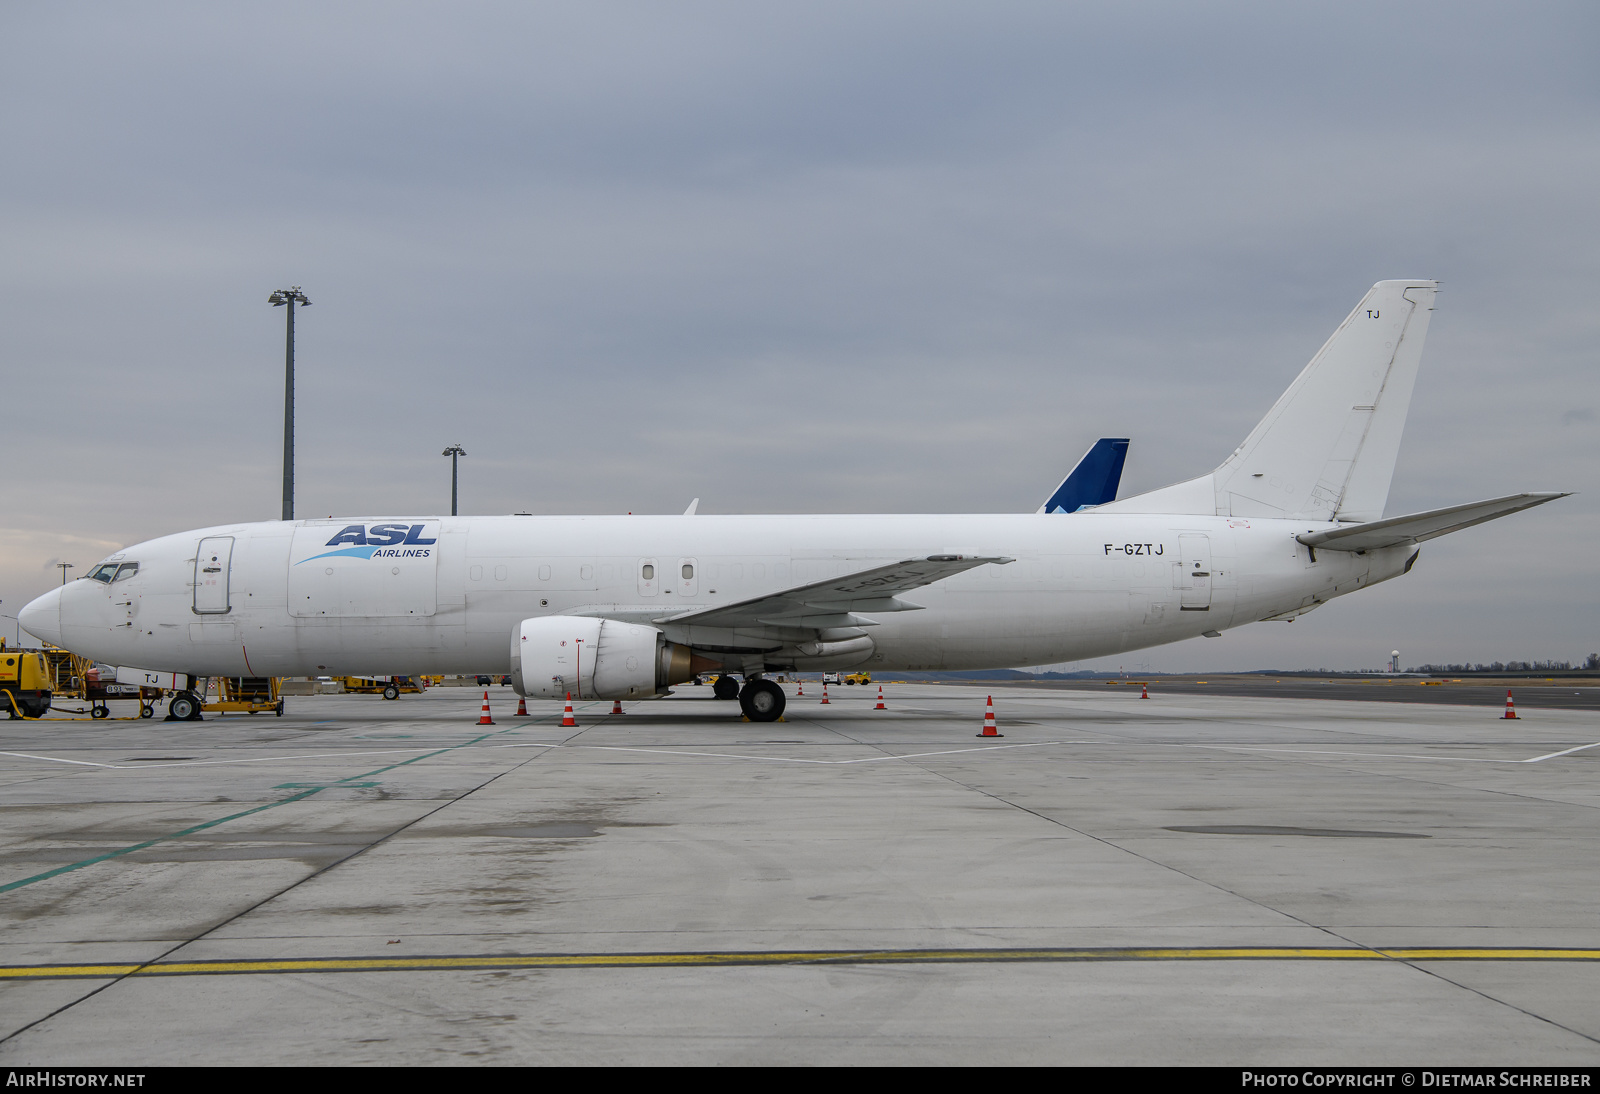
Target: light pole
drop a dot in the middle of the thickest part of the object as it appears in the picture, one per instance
(64, 567)
(453, 451)
(290, 296)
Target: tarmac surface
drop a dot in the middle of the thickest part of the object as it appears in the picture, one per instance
(1574, 693)
(1188, 879)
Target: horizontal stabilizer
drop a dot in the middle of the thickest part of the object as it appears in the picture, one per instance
(1418, 527)
(1094, 481)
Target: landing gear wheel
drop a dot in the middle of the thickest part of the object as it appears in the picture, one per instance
(726, 687)
(146, 710)
(762, 701)
(184, 708)
(391, 692)
(99, 712)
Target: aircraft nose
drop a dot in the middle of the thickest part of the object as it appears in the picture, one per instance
(42, 617)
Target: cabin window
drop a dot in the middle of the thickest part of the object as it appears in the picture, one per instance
(586, 573)
(688, 572)
(477, 573)
(544, 573)
(648, 572)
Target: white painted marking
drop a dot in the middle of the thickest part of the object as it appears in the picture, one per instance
(1553, 755)
(1398, 756)
(798, 760)
(212, 763)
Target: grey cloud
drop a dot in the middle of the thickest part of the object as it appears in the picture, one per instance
(831, 257)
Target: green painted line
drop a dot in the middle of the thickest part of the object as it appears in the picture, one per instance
(312, 788)
(6, 888)
(787, 957)
(322, 786)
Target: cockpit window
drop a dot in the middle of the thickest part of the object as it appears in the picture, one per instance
(113, 571)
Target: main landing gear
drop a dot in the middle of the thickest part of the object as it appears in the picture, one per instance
(762, 701)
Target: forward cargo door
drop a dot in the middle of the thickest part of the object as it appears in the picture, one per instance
(212, 565)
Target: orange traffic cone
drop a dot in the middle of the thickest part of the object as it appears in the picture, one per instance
(989, 729)
(522, 706)
(616, 706)
(1144, 691)
(567, 719)
(484, 719)
(1511, 710)
(824, 691)
(880, 705)
(801, 692)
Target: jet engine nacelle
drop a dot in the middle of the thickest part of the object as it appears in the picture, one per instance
(554, 655)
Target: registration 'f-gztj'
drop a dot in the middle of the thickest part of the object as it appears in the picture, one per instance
(624, 607)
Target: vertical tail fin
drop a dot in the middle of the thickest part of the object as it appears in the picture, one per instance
(1327, 448)
(1094, 481)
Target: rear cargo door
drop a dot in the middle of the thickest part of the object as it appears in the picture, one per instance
(1192, 572)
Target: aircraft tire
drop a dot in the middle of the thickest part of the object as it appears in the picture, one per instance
(725, 688)
(762, 701)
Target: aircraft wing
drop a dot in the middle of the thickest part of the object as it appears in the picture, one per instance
(833, 603)
(1418, 527)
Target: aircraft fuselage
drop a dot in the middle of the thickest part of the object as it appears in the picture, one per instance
(417, 595)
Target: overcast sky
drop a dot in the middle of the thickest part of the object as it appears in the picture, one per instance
(854, 257)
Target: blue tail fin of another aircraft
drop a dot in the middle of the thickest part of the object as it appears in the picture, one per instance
(1094, 481)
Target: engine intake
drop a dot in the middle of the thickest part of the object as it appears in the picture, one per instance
(554, 655)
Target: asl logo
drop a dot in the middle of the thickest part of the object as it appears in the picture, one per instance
(378, 541)
(381, 535)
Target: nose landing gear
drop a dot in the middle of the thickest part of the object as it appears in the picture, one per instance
(184, 708)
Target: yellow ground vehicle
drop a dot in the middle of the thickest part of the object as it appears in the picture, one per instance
(246, 695)
(94, 684)
(26, 682)
(859, 678)
(390, 687)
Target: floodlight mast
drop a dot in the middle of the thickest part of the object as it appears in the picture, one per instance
(453, 451)
(290, 296)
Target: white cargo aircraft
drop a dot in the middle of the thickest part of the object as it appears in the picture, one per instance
(623, 607)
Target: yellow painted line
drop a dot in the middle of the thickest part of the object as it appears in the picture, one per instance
(789, 957)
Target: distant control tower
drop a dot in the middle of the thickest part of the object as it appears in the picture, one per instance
(1394, 660)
